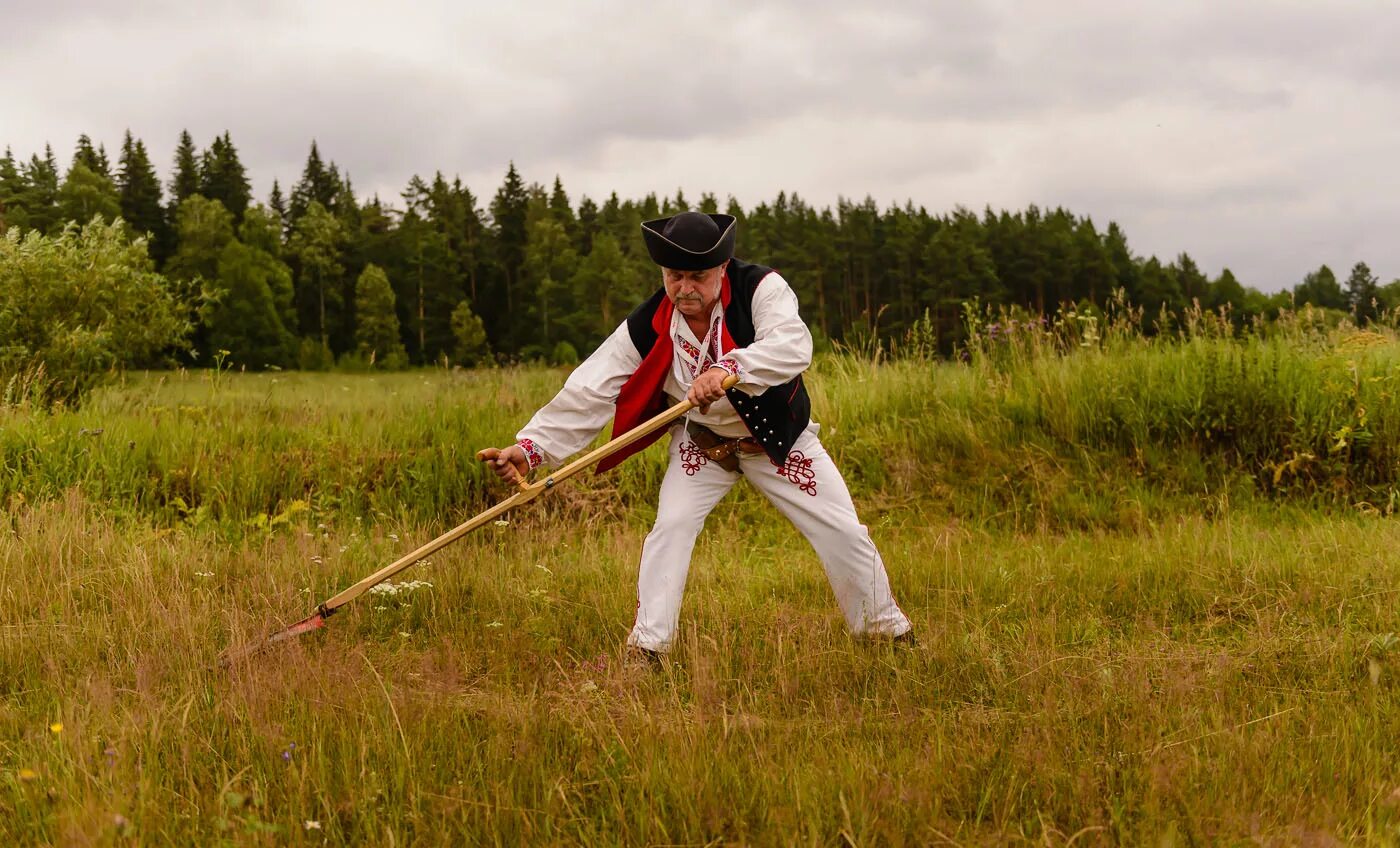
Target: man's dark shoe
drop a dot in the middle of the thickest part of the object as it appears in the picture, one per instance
(905, 640)
(645, 658)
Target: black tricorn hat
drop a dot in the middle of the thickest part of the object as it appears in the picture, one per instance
(690, 241)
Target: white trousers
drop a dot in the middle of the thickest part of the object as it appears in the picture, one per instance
(808, 490)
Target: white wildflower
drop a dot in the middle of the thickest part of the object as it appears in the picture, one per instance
(396, 588)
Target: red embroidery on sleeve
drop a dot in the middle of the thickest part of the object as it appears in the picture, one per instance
(532, 453)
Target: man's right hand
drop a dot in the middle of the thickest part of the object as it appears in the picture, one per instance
(509, 463)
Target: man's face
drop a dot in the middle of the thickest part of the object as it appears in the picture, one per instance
(693, 292)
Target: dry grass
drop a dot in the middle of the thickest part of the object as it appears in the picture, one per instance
(1229, 681)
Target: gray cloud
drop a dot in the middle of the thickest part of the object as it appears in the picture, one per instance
(1253, 135)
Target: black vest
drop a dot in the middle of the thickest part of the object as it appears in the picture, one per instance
(777, 416)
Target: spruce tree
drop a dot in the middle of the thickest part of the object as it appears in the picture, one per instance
(40, 199)
(587, 225)
(223, 178)
(550, 264)
(562, 212)
(1160, 291)
(278, 204)
(501, 301)
(186, 179)
(1193, 284)
(1363, 293)
(94, 158)
(1127, 273)
(12, 191)
(318, 184)
(138, 189)
(429, 284)
(1094, 273)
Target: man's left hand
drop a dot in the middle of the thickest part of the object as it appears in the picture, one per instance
(707, 388)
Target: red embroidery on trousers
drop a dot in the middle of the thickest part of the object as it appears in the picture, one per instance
(798, 470)
(692, 458)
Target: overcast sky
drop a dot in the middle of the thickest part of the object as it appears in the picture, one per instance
(1258, 136)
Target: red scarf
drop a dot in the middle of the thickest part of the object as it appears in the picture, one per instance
(643, 397)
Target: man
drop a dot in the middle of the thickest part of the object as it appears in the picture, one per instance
(714, 316)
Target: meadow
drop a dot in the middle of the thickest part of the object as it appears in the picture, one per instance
(1154, 584)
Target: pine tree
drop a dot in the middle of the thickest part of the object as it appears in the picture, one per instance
(376, 325)
(186, 179)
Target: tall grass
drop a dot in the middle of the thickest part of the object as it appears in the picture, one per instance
(1203, 649)
(1078, 422)
(1201, 683)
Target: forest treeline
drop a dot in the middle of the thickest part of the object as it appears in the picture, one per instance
(317, 275)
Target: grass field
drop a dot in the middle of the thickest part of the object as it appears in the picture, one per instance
(1124, 639)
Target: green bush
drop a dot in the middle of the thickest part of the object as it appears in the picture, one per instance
(564, 354)
(81, 306)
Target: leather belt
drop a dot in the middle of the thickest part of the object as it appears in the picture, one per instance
(720, 448)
